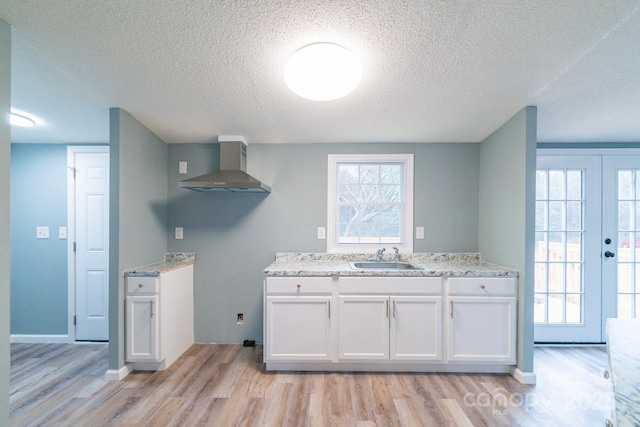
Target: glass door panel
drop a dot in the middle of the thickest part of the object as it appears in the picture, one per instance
(566, 294)
(621, 223)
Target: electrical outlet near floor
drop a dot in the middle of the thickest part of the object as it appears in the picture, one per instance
(240, 319)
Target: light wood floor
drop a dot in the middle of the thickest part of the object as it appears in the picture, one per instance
(226, 385)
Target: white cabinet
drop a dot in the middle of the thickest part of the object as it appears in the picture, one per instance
(404, 323)
(159, 318)
(298, 319)
(422, 324)
(363, 331)
(481, 320)
(142, 328)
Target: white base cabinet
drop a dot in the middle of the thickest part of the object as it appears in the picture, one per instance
(482, 320)
(159, 318)
(390, 323)
(298, 324)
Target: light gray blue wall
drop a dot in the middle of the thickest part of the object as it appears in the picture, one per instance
(39, 286)
(138, 212)
(235, 236)
(5, 155)
(506, 222)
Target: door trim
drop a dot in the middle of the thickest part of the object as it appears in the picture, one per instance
(72, 150)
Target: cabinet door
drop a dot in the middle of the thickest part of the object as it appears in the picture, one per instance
(143, 328)
(298, 328)
(416, 328)
(482, 329)
(363, 331)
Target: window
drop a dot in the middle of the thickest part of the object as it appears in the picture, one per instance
(370, 202)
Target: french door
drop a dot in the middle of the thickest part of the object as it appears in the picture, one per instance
(587, 246)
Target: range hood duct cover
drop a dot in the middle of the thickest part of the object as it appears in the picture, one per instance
(232, 175)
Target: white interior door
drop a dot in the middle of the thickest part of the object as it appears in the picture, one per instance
(621, 228)
(89, 233)
(567, 274)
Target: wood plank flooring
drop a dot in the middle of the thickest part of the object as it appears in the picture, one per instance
(226, 385)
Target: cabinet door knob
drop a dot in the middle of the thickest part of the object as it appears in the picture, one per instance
(298, 285)
(482, 286)
(140, 285)
(606, 374)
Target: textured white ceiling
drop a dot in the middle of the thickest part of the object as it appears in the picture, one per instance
(433, 71)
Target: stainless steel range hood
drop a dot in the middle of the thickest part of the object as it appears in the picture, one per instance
(232, 175)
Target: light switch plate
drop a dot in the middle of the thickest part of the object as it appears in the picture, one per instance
(62, 232)
(419, 232)
(322, 233)
(42, 232)
(179, 233)
(182, 167)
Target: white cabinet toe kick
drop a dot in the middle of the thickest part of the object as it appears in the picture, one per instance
(390, 324)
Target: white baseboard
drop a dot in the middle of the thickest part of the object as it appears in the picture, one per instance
(118, 374)
(524, 377)
(39, 339)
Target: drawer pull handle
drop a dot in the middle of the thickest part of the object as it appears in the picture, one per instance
(482, 286)
(151, 308)
(140, 285)
(451, 309)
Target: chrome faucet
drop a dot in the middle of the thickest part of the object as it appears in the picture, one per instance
(379, 254)
(396, 257)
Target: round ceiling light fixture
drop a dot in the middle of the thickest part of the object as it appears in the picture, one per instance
(322, 72)
(20, 119)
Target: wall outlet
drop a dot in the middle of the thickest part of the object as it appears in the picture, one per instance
(62, 232)
(179, 233)
(182, 167)
(240, 319)
(42, 232)
(419, 232)
(322, 233)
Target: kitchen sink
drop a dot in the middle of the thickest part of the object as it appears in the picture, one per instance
(382, 265)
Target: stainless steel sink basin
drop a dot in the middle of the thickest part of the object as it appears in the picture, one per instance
(382, 265)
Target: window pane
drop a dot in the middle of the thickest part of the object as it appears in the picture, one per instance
(625, 217)
(574, 185)
(625, 185)
(574, 216)
(556, 277)
(625, 277)
(369, 193)
(556, 308)
(625, 306)
(390, 174)
(573, 306)
(369, 174)
(541, 247)
(574, 277)
(390, 193)
(541, 216)
(541, 185)
(556, 247)
(556, 185)
(574, 247)
(556, 216)
(539, 308)
(540, 277)
(348, 193)
(348, 174)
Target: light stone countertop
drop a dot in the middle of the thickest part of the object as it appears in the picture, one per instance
(623, 346)
(171, 262)
(432, 264)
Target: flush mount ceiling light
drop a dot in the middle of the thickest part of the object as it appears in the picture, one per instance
(322, 72)
(21, 120)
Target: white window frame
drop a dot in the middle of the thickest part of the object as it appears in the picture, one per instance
(407, 219)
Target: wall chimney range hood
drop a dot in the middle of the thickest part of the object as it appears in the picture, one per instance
(232, 175)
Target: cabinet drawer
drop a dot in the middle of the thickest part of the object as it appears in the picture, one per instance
(298, 285)
(482, 286)
(391, 285)
(142, 285)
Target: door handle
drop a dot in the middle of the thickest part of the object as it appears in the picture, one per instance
(609, 254)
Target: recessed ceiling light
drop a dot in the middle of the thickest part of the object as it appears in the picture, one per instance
(322, 72)
(21, 120)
